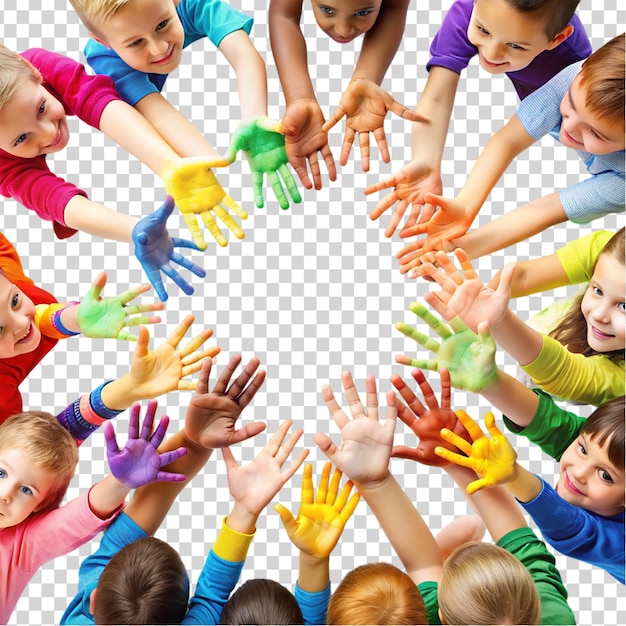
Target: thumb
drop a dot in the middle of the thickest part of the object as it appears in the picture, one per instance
(165, 210)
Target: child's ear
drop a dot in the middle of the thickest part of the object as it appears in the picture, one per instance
(99, 40)
(560, 37)
(92, 601)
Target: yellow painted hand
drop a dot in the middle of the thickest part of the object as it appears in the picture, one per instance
(322, 516)
(196, 191)
(494, 459)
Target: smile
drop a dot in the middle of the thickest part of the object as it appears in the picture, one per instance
(571, 487)
(596, 332)
(57, 139)
(491, 63)
(166, 59)
(570, 138)
(27, 335)
(343, 39)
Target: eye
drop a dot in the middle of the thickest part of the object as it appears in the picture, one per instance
(482, 30)
(515, 46)
(135, 43)
(20, 139)
(326, 10)
(42, 108)
(597, 291)
(622, 307)
(3, 473)
(162, 25)
(605, 476)
(363, 13)
(581, 449)
(27, 491)
(15, 300)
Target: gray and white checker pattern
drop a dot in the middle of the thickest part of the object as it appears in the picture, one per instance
(311, 291)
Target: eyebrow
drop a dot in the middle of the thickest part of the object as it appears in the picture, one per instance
(166, 16)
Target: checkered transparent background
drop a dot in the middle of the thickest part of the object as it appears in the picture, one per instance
(311, 291)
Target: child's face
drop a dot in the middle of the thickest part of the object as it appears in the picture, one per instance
(146, 34)
(23, 487)
(507, 39)
(18, 333)
(589, 480)
(33, 122)
(603, 305)
(345, 20)
(582, 130)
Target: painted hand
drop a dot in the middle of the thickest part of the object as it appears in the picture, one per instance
(264, 147)
(365, 105)
(196, 190)
(106, 318)
(427, 423)
(155, 250)
(322, 516)
(470, 358)
(493, 459)
(140, 463)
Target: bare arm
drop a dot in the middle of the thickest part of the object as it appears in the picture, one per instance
(98, 220)
(535, 275)
(515, 400)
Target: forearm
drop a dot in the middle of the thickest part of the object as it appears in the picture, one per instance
(119, 394)
(133, 132)
(513, 227)
(521, 341)
(98, 220)
(512, 398)
(534, 275)
(175, 129)
(381, 43)
(69, 318)
(242, 520)
(313, 573)
(525, 486)
(106, 496)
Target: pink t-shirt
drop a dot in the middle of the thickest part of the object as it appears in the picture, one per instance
(40, 538)
(30, 181)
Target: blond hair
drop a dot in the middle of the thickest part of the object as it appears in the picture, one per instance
(376, 593)
(92, 12)
(14, 71)
(482, 583)
(47, 445)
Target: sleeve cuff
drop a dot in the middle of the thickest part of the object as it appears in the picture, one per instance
(231, 545)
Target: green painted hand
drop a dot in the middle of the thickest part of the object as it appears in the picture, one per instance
(492, 459)
(470, 358)
(106, 318)
(264, 147)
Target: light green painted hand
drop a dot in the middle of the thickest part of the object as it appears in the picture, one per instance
(492, 459)
(470, 358)
(106, 318)
(264, 147)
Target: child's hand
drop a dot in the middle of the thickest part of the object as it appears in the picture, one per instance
(493, 459)
(410, 185)
(469, 358)
(413, 257)
(264, 147)
(155, 372)
(106, 318)
(365, 105)
(322, 517)
(365, 442)
(427, 423)
(304, 138)
(255, 485)
(465, 295)
(211, 416)
(155, 250)
(139, 463)
(197, 191)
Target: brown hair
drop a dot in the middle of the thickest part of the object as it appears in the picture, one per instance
(571, 331)
(47, 445)
(482, 583)
(606, 426)
(14, 71)
(144, 583)
(376, 593)
(556, 14)
(602, 78)
(262, 601)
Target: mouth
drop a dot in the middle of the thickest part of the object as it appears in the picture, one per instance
(27, 335)
(596, 332)
(572, 487)
(571, 139)
(57, 139)
(166, 59)
(489, 63)
(343, 39)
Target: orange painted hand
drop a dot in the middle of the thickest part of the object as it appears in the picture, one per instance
(322, 516)
(494, 459)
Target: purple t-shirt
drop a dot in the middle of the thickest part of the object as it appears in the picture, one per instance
(451, 48)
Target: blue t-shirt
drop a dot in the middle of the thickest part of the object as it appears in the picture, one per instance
(594, 197)
(213, 19)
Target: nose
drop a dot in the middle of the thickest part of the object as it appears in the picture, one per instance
(344, 28)
(601, 312)
(5, 493)
(494, 51)
(157, 46)
(580, 471)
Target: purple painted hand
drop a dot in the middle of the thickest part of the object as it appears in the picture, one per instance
(140, 463)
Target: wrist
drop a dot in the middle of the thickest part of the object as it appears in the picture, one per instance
(373, 485)
(120, 394)
(241, 519)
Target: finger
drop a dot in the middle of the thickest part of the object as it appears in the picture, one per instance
(426, 389)
(231, 205)
(193, 344)
(348, 510)
(290, 183)
(193, 362)
(299, 166)
(446, 388)
(333, 488)
(412, 231)
(364, 144)
(416, 335)
(239, 384)
(458, 325)
(134, 309)
(188, 264)
(294, 465)
(352, 395)
(381, 140)
(388, 201)
(276, 440)
(179, 332)
(111, 442)
(257, 188)
(344, 495)
(134, 418)
(466, 265)
(307, 490)
(185, 287)
(154, 277)
(409, 397)
(470, 425)
(229, 460)
(396, 216)
(159, 433)
(130, 294)
(404, 452)
(392, 412)
(387, 183)
(453, 457)
(214, 229)
(434, 299)
(287, 448)
(371, 398)
(490, 424)
(346, 146)
(169, 457)
(279, 192)
(421, 364)
(321, 497)
(97, 286)
(333, 119)
(247, 432)
(330, 162)
(286, 517)
(456, 441)
(434, 322)
(124, 335)
(406, 415)
(339, 417)
(251, 390)
(401, 111)
(477, 485)
(228, 221)
(202, 386)
(194, 229)
(327, 446)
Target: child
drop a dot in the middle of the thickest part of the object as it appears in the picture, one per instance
(37, 461)
(530, 41)
(364, 103)
(583, 516)
(583, 106)
(139, 42)
(478, 583)
(38, 89)
(583, 358)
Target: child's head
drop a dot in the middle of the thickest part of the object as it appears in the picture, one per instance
(144, 583)
(595, 323)
(482, 583)
(261, 601)
(146, 34)
(345, 20)
(592, 467)
(32, 121)
(509, 34)
(18, 333)
(376, 593)
(593, 107)
(38, 458)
